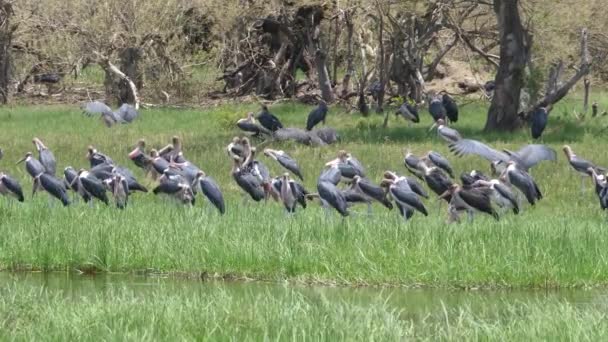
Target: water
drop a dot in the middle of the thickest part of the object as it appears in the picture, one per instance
(413, 304)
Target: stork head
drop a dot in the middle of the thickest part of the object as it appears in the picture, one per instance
(390, 175)
(386, 183)
(175, 140)
(27, 155)
(568, 151)
(154, 153)
(357, 179)
(245, 141)
(342, 155)
(236, 140)
(38, 143)
(269, 152)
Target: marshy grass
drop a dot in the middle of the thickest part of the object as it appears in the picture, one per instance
(559, 243)
(246, 313)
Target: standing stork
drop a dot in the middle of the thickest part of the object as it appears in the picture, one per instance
(601, 187)
(539, 122)
(53, 186)
(285, 161)
(522, 181)
(317, 115)
(34, 168)
(331, 196)
(211, 190)
(119, 187)
(371, 192)
(251, 184)
(10, 187)
(408, 112)
(90, 185)
(437, 180)
(436, 108)
(446, 133)
(46, 157)
(269, 120)
(406, 199)
(580, 165)
(411, 163)
(469, 200)
(172, 151)
(138, 155)
(451, 108)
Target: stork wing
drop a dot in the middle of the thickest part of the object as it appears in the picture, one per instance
(469, 146)
(530, 155)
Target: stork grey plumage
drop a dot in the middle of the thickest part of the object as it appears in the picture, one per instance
(525, 158)
(251, 184)
(330, 195)
(298, 135)
(285, 161)
(471, 200)
(441, 162)
(372, 191)
(408, 112)
(95, 107)
(212, 191)
(446, 133)
(331, 174)
(53, 187)
(317, 116)
(327, 135)
(522, 181)
(120, 190)
(411, 163)
(70, 176)
(408, 182)
(287, 194)
(407, 200)
(502, 194)
(46, 157)
(437, 181)
(96, 158)
(349, 166)
(127, 113)
(92, 186)
(33, 168)
(10, 187)
(436, 108)
(469, 178)
(180, 191)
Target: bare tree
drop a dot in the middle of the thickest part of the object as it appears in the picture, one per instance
(515, 45)
(6, 37)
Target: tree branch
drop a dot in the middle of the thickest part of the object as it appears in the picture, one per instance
(105, 63)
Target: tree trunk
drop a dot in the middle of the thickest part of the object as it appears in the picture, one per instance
(514, 49)
(129, 64)
(6, 37)
(324, 82)
(350, 69)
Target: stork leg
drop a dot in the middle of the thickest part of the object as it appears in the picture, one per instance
(470, 215)
(404, 213)
(369, 209)
(582, 183)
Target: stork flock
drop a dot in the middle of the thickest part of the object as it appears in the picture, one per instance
(341, 184)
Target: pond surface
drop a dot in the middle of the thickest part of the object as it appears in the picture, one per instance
(412, 303)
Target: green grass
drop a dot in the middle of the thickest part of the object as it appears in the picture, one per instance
(208, 312)
(559, 243)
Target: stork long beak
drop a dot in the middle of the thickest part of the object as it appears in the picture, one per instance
(21, 160)
(446, 194)
(73, 181)
(433, 126)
